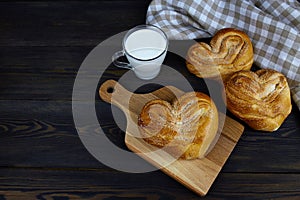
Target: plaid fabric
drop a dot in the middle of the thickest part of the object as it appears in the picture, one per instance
(272, 25)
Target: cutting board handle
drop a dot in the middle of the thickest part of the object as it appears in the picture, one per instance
(114, 93)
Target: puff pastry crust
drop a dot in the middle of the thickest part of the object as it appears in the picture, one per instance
(261, 99)
(230, 50)
(185, 128)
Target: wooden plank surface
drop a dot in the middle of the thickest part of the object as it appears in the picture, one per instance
(67, 23)
(254, 152)
(42, 45)
(50, 124)
(27, 183)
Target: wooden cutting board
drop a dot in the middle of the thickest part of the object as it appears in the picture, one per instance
(198, 175)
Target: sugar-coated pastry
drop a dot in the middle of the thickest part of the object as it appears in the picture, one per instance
(261, 99)
(185, 128)
(230, 50)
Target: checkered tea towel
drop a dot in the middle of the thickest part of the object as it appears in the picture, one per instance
(272, 25)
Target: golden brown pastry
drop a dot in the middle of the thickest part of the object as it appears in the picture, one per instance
(261, 99)
(185, 128)
(230, 50)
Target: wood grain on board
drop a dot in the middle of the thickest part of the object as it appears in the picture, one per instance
(199, 174)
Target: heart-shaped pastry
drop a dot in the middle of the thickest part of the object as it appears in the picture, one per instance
(261, 99)
(185, 128)
(230, 50)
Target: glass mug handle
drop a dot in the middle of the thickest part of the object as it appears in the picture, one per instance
(118, 63)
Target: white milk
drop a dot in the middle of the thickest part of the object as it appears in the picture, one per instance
(145, 47)
(146, 52)
(145, 44)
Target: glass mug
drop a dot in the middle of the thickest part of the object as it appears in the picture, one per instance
(145, 47)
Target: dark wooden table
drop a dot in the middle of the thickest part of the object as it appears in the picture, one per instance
(42, 45)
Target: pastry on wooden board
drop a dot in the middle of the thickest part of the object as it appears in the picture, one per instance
(185, 128)
(230, 50)
(261, 99)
